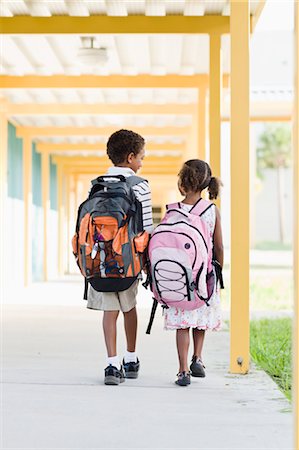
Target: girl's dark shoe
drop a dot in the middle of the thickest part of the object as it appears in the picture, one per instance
(183, 379)
(131, 369)
(197, 369)
(113, 376)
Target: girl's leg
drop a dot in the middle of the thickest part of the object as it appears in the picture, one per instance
(198, 340)
(182, 342)
(130, 320)
(109, 327)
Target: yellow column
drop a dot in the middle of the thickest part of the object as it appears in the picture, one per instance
(3, 199)
(239, 28)
(76, 196)
(202, 122)
(215, 105)
(73, 208)
(191, 151)
(61, 219)
(46, 209)
(27, 188)
(68, 219)
(296, 237)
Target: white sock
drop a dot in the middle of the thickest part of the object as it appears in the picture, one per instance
(114, 361)
(130, 357)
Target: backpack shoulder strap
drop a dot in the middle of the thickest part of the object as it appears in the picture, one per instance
(134, 179)
(201, 207)
(173, 206)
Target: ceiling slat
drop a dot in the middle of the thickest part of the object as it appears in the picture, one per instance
(155, 8)
(38, 8)
(116, 8)
(76, 8)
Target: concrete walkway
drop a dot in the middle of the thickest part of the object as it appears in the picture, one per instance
(54, 397)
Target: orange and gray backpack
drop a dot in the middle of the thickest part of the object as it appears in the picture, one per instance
(110, 242)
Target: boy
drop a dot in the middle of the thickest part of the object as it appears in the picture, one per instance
(126, 151)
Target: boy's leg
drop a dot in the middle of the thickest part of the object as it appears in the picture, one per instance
(113, 373)
(131, 362)
(127, 300)
(130, 321)
(109, 327)
(183, 341)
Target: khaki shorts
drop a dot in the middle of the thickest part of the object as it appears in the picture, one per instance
(113, 301)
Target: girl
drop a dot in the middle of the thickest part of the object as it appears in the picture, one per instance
(194, 177)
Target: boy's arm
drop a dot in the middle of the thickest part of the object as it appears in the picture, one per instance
(143, 194)
(217, 239)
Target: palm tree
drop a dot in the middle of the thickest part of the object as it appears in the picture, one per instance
(274, 152)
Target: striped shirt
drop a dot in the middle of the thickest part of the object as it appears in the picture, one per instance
(142, 192)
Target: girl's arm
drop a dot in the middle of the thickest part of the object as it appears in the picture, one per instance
(217, 239)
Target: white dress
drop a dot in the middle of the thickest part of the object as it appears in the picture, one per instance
(205, 317)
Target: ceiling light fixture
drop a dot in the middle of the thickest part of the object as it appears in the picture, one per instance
(90, 55)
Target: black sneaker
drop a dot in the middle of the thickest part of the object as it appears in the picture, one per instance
(183, 379)
(197, 369)
(113, 376)
(131, 369)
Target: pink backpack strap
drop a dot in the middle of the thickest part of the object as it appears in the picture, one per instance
(201, 206)
(173, 206)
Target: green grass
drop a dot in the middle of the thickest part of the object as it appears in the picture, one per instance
(270, 348)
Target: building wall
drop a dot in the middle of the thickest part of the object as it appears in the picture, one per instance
(15, 257)
(15, 211)
(37, 217)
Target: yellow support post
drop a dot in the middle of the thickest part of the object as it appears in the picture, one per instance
(296, 236)
(102, 147)
(72, 218)
(60, 109)
(191, 149)
(46, 209)
(69, 178)
(102, 81)
(27, 188)
(61, 219)
(114, 25)
(239, 323)
(3, 198)
(202, 122)
(99, 131)
(215, 106)
(76, 198)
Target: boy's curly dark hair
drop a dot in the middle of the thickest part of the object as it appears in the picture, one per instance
(196, 175)
(122, 143)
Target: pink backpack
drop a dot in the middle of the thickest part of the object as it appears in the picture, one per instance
(181, 259)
